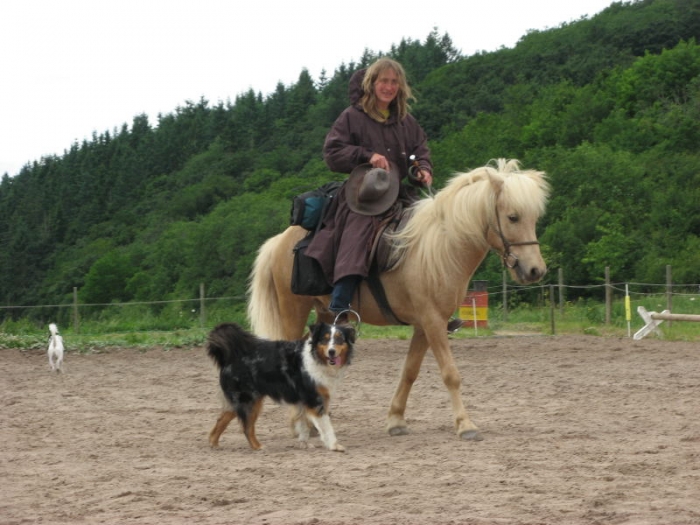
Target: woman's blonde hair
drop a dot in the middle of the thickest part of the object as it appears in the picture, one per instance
(404, 94)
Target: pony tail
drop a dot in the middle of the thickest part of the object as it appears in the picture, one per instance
(264, 314)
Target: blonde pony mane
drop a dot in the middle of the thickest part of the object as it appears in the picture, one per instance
(458, 216)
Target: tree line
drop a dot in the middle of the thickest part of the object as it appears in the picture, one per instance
(608, 106)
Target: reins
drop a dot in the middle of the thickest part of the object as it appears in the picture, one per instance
(415, 166)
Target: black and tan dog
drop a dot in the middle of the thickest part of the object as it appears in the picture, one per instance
(301, 373)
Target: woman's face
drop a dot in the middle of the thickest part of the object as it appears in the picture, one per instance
(386, 88)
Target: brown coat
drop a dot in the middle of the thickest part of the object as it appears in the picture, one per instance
(343, 243)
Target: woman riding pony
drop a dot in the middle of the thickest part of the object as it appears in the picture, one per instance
(377, 141)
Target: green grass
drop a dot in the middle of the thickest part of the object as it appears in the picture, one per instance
(141, 326)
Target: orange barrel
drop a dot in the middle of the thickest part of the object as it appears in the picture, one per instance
(475, 306)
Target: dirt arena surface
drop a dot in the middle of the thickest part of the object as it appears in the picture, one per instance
(577, 430)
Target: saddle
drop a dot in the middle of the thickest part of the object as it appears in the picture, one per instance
(380, 253)
(381, 260)
(308, 277)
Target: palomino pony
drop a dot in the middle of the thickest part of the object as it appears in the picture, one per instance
(495, 207)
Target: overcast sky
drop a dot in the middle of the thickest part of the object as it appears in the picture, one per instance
(69, 68)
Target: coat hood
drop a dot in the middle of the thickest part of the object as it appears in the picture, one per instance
(355, 86)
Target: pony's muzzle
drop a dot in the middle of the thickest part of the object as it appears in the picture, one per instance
(537, 273)
(533, 275)
(522, 272)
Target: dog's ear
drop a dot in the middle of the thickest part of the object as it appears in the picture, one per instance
(313, 329)
(350, 333)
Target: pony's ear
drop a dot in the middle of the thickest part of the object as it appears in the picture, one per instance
(496, 184)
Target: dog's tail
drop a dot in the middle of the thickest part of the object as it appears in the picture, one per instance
(226, 341)
(53, 329)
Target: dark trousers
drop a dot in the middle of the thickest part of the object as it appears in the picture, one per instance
(343, 291)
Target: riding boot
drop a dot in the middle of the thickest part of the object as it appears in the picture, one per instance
(343, 292)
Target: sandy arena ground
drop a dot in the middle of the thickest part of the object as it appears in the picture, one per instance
(577, 430)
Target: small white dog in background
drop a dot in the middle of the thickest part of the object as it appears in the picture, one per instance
(55, 349)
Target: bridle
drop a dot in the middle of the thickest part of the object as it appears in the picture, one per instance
(510, 260)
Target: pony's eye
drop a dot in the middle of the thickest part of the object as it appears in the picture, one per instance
(513, 218)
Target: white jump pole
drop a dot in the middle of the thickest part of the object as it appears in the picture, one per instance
(653, 320)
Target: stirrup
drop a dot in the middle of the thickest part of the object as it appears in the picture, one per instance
(342, 316)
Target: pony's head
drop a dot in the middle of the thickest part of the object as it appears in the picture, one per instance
(493, 207)
(519, 200)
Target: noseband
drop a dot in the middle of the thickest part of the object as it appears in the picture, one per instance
(509, 259)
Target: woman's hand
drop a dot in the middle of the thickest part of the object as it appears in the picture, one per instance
(424, 177)
(379, 161)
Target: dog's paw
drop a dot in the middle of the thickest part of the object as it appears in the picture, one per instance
(337, 447)
(305, 444)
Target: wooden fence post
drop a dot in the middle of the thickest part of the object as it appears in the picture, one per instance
(202, 311)
(608, 295)
(551, 307)
(669, 291)
(561, 291)
(76, 318)
(505, 296)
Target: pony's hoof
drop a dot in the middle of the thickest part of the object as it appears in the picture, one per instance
(471, 435)
(398, 431)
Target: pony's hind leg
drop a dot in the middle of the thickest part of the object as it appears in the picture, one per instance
(224, 419)
(295, 311)
(396, 424)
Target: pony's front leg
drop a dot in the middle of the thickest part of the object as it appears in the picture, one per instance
(396, 424)
(453, 381)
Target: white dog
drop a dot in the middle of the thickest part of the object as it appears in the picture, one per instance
(55, 349)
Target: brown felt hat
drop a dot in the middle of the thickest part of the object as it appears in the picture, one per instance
(372, 191)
